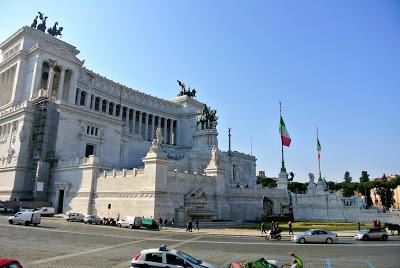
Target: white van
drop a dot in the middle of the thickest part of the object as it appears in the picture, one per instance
(25, 218)
(46, 211)
(130, 221)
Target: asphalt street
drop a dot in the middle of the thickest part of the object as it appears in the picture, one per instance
(57, 243)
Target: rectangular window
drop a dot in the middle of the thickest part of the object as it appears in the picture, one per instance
(154, 257)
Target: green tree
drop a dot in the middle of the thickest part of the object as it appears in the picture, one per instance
(347, 177)
(365, 186)
(298, 187)
(266, 182)
(384, 189)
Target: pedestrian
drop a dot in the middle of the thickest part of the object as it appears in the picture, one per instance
(197, 224)
(160, 222)
(358, 225)
(190, 225)
(374, 223)
(272, 225)
(378, 224)
(290, 228)
(165, 223)
(263, 228)
(172, 222)
(297, 262)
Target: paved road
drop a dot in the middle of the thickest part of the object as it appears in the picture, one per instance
(57, 243)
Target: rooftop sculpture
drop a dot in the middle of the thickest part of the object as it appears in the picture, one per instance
(53, 31)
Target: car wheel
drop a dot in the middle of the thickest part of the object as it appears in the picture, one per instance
(329, 241)
(131, 226)
(26, 223)
(10, 222)
(365, 237)
(384, 237)
(302, 241)
(35, 224)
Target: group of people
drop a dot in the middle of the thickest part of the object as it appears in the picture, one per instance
(297, 262)
(164, 223)
(189, 225)
(376, 223)
(275, 228)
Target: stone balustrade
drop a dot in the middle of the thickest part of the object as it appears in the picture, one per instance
(20, 106)
(121, 173)
(76, 162)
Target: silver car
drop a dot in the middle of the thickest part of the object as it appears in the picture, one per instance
(372, 233)
(315, 236)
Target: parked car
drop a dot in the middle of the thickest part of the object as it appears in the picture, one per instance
(130, 222)
(10, 263)
(372, 233)
(46, 211)
(3, 208)
(92, 219)
(74, 216)
(163, 257)
(25, 218)
(315, 236)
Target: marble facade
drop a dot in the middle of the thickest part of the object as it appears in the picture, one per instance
(82, 141)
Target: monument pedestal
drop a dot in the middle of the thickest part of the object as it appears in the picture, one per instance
(282, 182)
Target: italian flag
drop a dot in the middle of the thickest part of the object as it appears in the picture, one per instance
(284, 134)
(318, 149)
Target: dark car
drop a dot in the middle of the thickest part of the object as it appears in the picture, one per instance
(372, 233)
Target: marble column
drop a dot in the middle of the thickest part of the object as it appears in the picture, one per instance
(171, 132)
(87, 100)
(153, 120)
(107, 107)
(140, 123)
(126, 118)
(37, 78)
(61, 84)
(134, 121)
(146, 125)
(165, 130)
(114, 111)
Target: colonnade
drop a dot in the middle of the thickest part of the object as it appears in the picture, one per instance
(135, 121)
(6, 85)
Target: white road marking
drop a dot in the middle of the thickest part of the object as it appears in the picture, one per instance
(230, 261)
(84, 252)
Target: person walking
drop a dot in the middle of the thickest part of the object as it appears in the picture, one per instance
(197, 224)
(378, 224)
(165, 223)
(290, 228)
(172, 222)
(160, 222)
(190, 227)
(358, 225)
(263, 228)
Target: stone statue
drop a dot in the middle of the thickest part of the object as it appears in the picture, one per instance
(156, 143)
(53, 31)
(34, 23)
(214, 155)
(42, 25)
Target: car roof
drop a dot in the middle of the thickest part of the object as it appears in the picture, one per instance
(7, 261)
(157, 250)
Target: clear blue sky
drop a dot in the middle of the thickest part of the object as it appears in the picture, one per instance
(333, 64)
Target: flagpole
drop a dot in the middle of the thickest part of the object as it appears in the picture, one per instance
(283, 169)
(319, 157)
